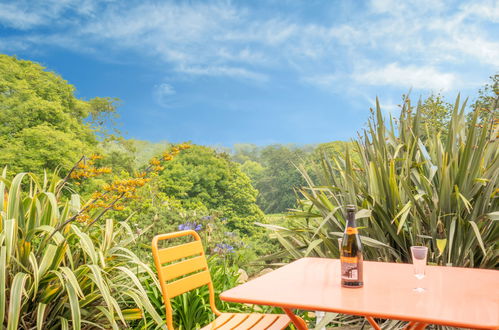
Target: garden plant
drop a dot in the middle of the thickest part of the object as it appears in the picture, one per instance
(411, 188)
(62, 264)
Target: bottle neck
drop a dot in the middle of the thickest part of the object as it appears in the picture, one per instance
(351, 220)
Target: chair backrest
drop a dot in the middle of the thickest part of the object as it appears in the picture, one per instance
(181, 268)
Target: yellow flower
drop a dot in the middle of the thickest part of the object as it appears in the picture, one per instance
(96, 195)
(83, 217)
(155, 161)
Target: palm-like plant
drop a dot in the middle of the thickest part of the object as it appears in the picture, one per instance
(61, 277)
(412, 188)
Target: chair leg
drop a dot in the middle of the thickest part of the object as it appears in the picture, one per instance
(413, 325)
(373, 323)
(298, 322)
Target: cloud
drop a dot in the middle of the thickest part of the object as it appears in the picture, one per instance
(18, 18)
(417, 77)
(223, 71)
(14, 46)
(425, 42)
(25, 14)
(162, 94)
(485, 51)
(391, 75)
(325, 81)
(488, 10)
(165, 89)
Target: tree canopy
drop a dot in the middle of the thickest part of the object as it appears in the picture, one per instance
(43, 124)
(201, 177)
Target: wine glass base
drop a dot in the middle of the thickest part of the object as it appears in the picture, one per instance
(419, 290)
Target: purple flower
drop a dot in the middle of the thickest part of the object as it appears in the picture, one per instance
(190, 226)
(223, 248)
(207, 217)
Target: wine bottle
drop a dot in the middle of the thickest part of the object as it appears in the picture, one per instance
(351, 253)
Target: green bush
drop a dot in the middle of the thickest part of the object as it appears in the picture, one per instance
(411, 188)
(59, 274)
(201, 177)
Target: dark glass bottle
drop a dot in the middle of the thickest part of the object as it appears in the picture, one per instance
(351, 253)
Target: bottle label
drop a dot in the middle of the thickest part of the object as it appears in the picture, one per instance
(352, 231)
(350, 268)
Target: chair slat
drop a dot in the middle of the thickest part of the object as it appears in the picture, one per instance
(184, 267)
(188, 283)
(266, 322)
(180, 251)
(250, 322)
(234, 322)
(281, 323)
(219, 321)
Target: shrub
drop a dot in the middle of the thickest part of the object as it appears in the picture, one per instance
(411, 188)
(76, 277)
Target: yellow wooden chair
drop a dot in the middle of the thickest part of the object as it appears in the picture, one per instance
(188, 261)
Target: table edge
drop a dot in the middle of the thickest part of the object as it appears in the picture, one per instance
(376, 315)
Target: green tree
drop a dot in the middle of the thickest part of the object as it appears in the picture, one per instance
(39, 147)
(435, 114)
(43, 123)
(246, 151)
(329, 149)
(120, 155)
(200, 177)
(253, 170)
(279, 177)
(487, 102)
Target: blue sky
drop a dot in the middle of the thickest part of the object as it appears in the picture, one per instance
(276, 71)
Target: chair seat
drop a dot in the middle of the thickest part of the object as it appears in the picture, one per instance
(254, 321)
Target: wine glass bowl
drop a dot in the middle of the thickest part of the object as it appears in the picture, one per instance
(419, 255)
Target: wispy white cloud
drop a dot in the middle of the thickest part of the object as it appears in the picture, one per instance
(392, 75)
(16, 17)
(13, 46)
(417, 77)
(26, 14)
(162, 94)
(474, 47)
(325, 81)
(221, 71)
(488, 10)
(425, 42)
(165, 89)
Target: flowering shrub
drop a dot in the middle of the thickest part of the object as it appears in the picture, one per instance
(190, 226)
(115, 194)
(223, 248)
(59, 271)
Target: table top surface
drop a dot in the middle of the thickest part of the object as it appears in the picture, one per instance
(462, 297)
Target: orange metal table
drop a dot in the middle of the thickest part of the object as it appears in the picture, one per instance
(460, 297)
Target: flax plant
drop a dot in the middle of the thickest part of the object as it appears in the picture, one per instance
(59, 267)
(411, 188)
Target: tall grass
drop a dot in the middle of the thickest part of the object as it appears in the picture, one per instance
(412, 188)
(78, 277)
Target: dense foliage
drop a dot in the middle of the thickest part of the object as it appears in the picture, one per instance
(59, 274)
(201, 178)
(273, 173)
(43, 124)
(438, 192)
(273, 170)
